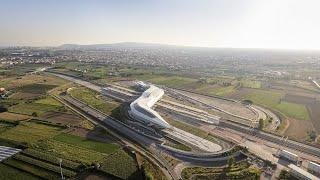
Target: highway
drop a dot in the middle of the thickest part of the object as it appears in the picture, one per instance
(108, 122)
(226, 123)
(273, 138)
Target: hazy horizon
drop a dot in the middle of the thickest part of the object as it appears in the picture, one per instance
(272, 24)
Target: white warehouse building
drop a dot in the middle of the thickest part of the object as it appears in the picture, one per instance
(140, 109)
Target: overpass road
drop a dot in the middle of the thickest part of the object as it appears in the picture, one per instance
(123, 132)
(304, 148)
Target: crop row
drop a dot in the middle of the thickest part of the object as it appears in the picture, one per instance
(31, 169)
(119, 164)
(52, 159)
(44, 165)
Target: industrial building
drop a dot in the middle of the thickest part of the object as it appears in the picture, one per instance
(140, 109)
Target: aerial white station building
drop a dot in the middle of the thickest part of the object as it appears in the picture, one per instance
(141, 110)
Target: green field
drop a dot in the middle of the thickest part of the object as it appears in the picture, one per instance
(30, 108)
(119, 164)
(31, 83)
(49, 101)
(272, 99)
(250, 84)
(264, 97)
(35, 88)
(90, 97)
(30, 132)
(294, 110)
(210, 86)
(85, 143)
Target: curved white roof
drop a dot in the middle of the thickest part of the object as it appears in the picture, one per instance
(141, 107)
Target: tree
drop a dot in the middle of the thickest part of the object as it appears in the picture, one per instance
(261, 124)
(230, 162)
(34, 114)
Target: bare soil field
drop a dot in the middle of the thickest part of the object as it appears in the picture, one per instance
(299, 99)
(13, 117)
(298, 129)
(295, 90)
(62, 118)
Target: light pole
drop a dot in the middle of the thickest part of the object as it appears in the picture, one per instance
(60, 162)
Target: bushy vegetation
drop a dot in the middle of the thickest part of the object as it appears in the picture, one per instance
(43, 165)
(119, 164)
(70, 152)
(149, 171)
(46, 156)
(237, 171)
(8, 172)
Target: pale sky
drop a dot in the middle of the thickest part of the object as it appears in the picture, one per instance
(285, 24)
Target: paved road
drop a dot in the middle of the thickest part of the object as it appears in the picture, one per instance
(120, 128)
(265, 136)
(273, 138)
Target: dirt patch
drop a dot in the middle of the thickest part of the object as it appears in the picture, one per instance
(79, 132)
(13, 117)
(62, 118)
(298, 129)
